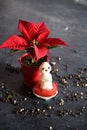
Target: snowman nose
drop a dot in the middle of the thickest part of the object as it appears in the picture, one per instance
(46, 70)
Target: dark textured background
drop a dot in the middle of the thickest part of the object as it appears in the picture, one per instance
(66, 19)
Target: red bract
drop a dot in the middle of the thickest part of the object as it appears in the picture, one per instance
(33, 39)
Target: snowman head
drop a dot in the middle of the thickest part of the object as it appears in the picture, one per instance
(45, 67)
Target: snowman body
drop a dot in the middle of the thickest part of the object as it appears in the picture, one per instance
(45, 77)
(45, 88)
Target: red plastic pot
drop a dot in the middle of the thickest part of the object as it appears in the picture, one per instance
(31, 74)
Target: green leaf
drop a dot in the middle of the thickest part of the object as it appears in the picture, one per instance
(15, 51)
(51, 47)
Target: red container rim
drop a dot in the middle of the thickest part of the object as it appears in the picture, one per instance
(23, 56)
(21, 59)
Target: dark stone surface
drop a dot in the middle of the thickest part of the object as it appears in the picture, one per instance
(19, 108)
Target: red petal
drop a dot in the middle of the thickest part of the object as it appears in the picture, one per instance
(49, 42)
(32, 31)
(26, 29)
(40, 51)
(15, 42)
(43, 32)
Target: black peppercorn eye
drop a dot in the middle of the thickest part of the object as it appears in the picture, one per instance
(48, 67)
(42, 68)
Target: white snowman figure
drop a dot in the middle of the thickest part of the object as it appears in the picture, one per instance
(45, 77)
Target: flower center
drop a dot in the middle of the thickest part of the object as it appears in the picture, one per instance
(34, 42)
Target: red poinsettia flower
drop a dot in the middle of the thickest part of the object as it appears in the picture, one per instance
(34, 39)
